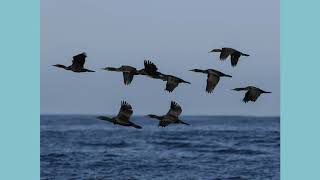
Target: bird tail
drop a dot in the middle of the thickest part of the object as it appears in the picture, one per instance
(186, 82)
(110, 69)
(215, 50)
(226, 75)
(243, 54)
(266, 92)
(183, 123)
(136, 126)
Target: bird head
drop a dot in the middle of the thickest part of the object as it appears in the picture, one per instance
(152, 116)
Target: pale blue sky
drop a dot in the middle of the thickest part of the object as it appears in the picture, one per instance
(175, 35)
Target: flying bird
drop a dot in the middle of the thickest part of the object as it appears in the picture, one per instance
(128, 73)
(150, 70)
(123, 116)
(213, 78)
(226, 52)
(171, 117)
(252, 93)
(77, 64)
(172, 82)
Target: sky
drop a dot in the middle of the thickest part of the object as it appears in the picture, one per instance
(176, 36)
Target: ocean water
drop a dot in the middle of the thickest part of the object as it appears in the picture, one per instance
(211, 148)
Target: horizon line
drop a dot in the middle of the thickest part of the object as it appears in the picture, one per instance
(137, 115)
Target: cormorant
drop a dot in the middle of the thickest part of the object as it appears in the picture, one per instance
(123, 116)
(150, 70)
(226, 52)
(213, 78)
(128, 72)
(172, 82)
(252, 93)
(171, 117)
(77, 64)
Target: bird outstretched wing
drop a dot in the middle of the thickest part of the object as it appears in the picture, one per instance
(127, 77)
(212, 82)
(151, 70)
(171, 85)
(79, 60)
(175, 109)
(150, 67)
(172, 82)
(235, 58)
(225, 52)
(125, 111)
(251, 95)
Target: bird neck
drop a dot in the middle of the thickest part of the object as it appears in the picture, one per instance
(225, 75)
(155, 116)
(199, 70)
(111, 69)
(61, 66)
(216, 50)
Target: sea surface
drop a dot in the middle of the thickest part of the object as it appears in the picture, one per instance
(211, 148)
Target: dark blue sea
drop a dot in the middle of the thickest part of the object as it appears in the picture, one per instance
(211, 148)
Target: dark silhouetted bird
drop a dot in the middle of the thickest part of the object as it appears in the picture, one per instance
(172, 82)
(171, 117)
(150, 70)
(77, 64)
(213, 78)
(252, 93)
(123, 116)
(226, 52)
(128, 72)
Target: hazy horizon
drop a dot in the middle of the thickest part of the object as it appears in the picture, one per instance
(141, 115)
(176, 36)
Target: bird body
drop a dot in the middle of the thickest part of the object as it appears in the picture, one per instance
(252, 93)
(123, 117)
(172, 82)
(128, 72)
(77, 64)
(172, 117)
(212, 79)
(226, 52)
